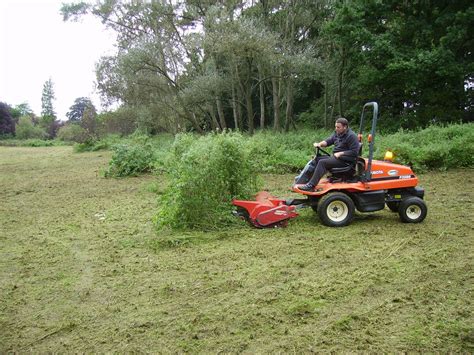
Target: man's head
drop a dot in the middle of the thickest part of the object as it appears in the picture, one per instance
(342, 125)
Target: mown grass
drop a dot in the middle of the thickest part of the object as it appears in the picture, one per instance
(83, 270)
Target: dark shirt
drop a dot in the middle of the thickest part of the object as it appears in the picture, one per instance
(347, 143)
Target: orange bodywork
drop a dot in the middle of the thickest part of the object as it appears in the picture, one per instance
(384, 176)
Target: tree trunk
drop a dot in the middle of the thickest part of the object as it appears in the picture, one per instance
(325, 103)
(246, 90)
(340, 79)
(191, 117)
(188, 115)
(339, 91)
(239, 115)
(262, 98)
(220, 112)
(249, 106)
(233, 103)
(333, 105)
(276, 102)
(289, 105)
(214, 123)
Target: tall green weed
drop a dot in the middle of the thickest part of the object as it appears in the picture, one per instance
(206, 173)
(131, 158)
(435, 147)
(276, 152)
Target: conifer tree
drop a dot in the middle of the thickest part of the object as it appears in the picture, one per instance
(47, 109)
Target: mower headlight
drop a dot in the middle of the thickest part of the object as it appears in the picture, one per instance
(388, 156)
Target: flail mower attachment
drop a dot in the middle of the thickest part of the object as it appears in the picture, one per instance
(266, 211)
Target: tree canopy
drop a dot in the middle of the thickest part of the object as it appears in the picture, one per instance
(204, 65)
(7, 124)
(76, 111)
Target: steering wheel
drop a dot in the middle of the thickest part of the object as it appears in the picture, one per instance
(320, 152)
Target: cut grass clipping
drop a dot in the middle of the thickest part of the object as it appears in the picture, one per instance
(205, 175)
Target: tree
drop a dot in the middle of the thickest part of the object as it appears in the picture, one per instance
(48, 116)
(76, 111)
(89, 122)
(20, 110)
(242, 48)
(151, 58)
(7, 124)
(415, 58)
(47, 109)
(193, 64)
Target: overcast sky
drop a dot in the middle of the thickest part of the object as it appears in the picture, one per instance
(35, 45)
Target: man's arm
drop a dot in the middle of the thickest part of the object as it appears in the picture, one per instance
(325, 143)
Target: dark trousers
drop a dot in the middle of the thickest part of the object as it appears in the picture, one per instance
(316, 168)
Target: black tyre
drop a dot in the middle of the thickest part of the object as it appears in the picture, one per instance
(412, 210)
(393, 206)
(314, 204)
(336, 209)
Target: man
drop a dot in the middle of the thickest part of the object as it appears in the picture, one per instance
(346, 150)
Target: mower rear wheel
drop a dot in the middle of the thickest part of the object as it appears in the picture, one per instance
(393, 205)
(412, 210)
(336, 209)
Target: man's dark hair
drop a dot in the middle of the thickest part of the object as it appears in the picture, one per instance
(343, 121)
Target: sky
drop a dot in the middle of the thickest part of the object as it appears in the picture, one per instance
(36, 44)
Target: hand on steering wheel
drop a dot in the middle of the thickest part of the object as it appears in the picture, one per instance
(320, 151)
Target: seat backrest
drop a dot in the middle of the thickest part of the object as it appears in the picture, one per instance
(360, 166)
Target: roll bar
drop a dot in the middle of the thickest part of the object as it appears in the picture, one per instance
(367, 175)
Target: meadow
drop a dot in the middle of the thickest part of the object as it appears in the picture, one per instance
(84, 269)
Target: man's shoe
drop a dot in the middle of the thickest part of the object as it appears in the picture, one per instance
(307, 187)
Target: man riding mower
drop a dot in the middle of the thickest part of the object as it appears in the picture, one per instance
(354, 182)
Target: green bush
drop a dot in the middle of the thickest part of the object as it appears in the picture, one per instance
(435, 147)
(25, 129)
(87, 146)
(72, 133)
(206, 173)
(131, 159)
(283, 152)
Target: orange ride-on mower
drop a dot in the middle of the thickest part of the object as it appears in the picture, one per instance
(366, 185)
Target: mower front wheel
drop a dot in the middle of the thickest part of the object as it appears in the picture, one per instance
(336, 209)
(412, 210)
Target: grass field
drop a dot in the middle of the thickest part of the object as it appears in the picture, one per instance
(83, 270)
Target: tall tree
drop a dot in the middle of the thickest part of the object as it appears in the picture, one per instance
(47, 98)
(415, 58)
(48, 116)
(152, 55)
(76, 111)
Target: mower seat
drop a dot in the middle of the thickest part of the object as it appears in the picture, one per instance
(348, 173)
(342, 174)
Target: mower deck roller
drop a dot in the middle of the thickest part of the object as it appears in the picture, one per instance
(266, 211)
